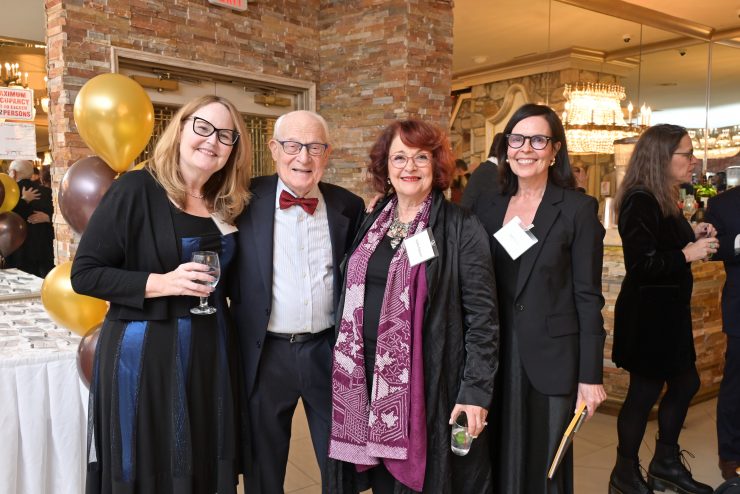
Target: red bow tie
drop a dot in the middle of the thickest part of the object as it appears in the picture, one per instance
(307, 203)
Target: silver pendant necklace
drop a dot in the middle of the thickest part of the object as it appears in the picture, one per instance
(397, 231)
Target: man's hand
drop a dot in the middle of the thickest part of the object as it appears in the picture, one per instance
(30, 194)
(38, 217)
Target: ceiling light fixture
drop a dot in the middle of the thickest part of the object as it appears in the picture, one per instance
(723, 142)
(594, 119)
(11, 75)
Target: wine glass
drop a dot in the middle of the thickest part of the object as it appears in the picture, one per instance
(210, 259)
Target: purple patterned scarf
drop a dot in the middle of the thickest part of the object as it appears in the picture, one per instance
(391, 425)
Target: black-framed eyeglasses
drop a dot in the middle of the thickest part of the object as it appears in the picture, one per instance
(295, 147)
(204, 128)
(688, 154)
(538, 142)
(399, 160)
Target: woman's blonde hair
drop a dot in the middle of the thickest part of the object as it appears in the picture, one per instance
(227, 191)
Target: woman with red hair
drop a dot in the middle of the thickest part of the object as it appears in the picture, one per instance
(417, 333)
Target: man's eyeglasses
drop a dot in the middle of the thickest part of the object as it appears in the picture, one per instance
(538, 142)
(399, 160)
(688, 154)
(204, 128)
(295, 147)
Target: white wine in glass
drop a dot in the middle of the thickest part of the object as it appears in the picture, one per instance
(210, 259)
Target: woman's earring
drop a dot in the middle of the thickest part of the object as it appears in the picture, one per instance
(388, 181)
(552, 163)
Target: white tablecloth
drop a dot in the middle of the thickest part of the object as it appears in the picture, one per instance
(43, 404)
(16, 284)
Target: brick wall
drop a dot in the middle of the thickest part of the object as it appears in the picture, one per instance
(381, 61)
(374, 61)
(279, 37)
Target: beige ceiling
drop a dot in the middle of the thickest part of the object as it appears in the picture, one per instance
(503, 33)
(494, 37)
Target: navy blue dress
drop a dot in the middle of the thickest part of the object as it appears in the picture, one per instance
(162, 415)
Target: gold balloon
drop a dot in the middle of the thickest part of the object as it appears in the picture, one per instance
(115, 118)
(78, 313)
(12, 193)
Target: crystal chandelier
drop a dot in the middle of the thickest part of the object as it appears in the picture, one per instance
(593, 117)
(723, 142)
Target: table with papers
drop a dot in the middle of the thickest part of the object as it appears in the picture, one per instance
(43, 411)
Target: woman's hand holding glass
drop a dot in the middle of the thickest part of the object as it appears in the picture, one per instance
(476, 417)
(703, 248)
(188, 279)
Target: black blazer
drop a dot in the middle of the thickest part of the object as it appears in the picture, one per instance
(723, 211)
(483, 181)
(36, 255)
(252, 304)
(558, 303)
(652, 315)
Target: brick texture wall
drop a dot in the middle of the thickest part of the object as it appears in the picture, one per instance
(279, 37)
(381, 61)
(374, 61)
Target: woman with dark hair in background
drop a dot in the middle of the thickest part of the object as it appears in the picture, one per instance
(652, 316)
(549, 299)
(416, 338)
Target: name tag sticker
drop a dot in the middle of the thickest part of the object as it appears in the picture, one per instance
(222, 226)
(515, 237)
(420, 247)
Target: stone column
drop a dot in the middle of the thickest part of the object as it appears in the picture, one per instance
(381, 61)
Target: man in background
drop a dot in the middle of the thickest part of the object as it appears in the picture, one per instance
(484, 179)
(36, 255)
(723, 212)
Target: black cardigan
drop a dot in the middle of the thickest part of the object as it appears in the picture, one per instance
(129, 236)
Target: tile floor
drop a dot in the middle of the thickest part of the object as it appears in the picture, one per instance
(595, 451)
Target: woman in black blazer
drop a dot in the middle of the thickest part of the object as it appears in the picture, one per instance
(163, 415)
(549, 298)
(652, 320)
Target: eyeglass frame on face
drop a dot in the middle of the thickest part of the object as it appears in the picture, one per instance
(689, 154)
(406, 159)
(548, 139)
(234, 133)
(321, 150)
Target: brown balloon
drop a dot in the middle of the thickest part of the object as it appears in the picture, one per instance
(13, 231)
(86, 355)
(82, 188)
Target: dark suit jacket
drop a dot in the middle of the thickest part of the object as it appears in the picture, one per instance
(252, 305)
(483, 181)
(652, 315)
(723, 212)
(558, 303)
(36, 255)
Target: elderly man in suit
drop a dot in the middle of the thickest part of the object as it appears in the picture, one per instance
(723, 212)
(292, 239)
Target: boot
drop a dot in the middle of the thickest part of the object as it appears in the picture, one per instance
(626, 478)
(667, 470)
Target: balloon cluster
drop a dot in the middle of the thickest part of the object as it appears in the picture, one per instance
(115, 118)
(13, 228)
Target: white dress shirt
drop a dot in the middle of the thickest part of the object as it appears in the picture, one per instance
(302, 276)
